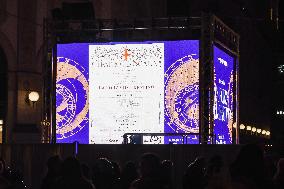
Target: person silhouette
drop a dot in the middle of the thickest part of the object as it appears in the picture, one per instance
(248, 170)
(128, 175)
(54, 164)
(104, 174)
(194, 177)
(150, 169)
(166, 173)
(4, 183)
(279, 175)
(72, 177)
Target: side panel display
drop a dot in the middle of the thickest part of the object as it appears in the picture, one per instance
(223, 96)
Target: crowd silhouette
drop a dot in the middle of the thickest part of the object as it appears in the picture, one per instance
(250, 170)
(10, 179)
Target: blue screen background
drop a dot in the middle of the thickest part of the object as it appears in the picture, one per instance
(176, 54)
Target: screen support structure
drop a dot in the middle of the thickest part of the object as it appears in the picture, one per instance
(48, 122)
(53, 97)
(229, 40)
(105, 30)
(208, 28)
(206, 80)
(215, 31)
(47, 84)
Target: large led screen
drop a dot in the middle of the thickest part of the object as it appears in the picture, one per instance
(223, 96)
(104, 90)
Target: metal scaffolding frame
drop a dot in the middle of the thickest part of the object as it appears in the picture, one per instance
(207, 28)
(230, 41)
(215, 31)
(206, 80)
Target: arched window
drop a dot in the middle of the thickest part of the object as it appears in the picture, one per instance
(3, 93)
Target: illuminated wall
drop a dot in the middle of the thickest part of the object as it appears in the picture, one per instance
(223, 96)
(108, 89)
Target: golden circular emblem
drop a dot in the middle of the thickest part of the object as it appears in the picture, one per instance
(72, 98)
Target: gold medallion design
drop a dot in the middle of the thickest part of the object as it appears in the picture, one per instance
(181, 95)
(72, 101)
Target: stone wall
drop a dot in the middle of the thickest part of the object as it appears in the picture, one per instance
(22, 40)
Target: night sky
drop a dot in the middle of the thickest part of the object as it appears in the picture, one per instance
(261, 49)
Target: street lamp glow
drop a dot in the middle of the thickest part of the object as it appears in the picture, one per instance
(267, 133)
(281, 69)
(242, 126)
(248, 128)
(258, 130)
(253, 129)
(1, 121)
(263, 132)
(33, 96)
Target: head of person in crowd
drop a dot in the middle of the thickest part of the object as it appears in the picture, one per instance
(215, 165)
(2, 166)
(103, 174)
(54, 166)
(129, 173)
(86, 171)
(194, 176)
(249, 163)
(150, 165)
(116, 169)
(71, 168)
(279, 175)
